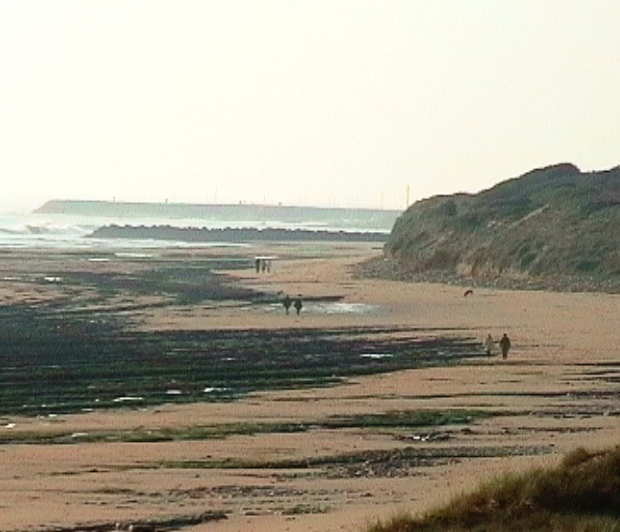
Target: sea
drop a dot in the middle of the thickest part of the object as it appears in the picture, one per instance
(70, 231)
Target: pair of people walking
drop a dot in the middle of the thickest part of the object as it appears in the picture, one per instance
(296, 303)
(504, 345)
(262, 264)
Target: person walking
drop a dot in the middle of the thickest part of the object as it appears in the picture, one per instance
(298, 304)
(504, 343)
(488, 344)
(287, 302)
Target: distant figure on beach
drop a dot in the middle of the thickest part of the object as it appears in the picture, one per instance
(287, 302)
(298, 304)
(268, 265)
(264, 268)
(257, 264)
(468, 292)
(504, 343)
(488, 344)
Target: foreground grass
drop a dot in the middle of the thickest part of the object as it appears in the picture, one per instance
(582, 494)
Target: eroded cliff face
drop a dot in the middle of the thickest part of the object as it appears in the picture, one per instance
(550, 221)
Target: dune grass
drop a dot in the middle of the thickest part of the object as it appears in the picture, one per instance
(582, 494)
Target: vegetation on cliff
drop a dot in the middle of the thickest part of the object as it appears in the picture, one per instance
(551, 221)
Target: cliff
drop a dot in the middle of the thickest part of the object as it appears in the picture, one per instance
(550, 222)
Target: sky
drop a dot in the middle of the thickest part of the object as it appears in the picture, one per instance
(307, 102)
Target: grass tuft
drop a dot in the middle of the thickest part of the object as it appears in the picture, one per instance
(581, 494)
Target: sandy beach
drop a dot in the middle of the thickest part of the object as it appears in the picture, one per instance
(557, 390)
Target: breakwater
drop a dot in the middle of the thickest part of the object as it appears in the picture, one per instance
(230, 234)
(354, 219)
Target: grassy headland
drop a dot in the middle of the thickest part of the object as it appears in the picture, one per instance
(553, 227)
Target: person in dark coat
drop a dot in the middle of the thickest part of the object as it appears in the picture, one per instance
(504, 343)
(287, 302)
(298, 304)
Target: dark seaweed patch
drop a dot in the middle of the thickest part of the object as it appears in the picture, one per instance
(57, 363)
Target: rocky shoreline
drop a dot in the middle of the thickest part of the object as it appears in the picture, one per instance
(389, 268)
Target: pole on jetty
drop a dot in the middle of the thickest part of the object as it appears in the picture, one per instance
(408, 190)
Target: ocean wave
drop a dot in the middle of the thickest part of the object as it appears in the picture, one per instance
(58, 229)
(62, 231)
(7, 231)
(47, 229)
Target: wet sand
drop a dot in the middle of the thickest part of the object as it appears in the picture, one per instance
(558, 389)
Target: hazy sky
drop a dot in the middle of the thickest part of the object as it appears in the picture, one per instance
(329, 102)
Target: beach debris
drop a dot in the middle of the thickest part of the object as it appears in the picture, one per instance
(376, 355)
(152, 525)
(9, 426)
(127, 399)
(141, 528)
(468, 292)
(173, 392)
(431, 436)
(132, 255)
